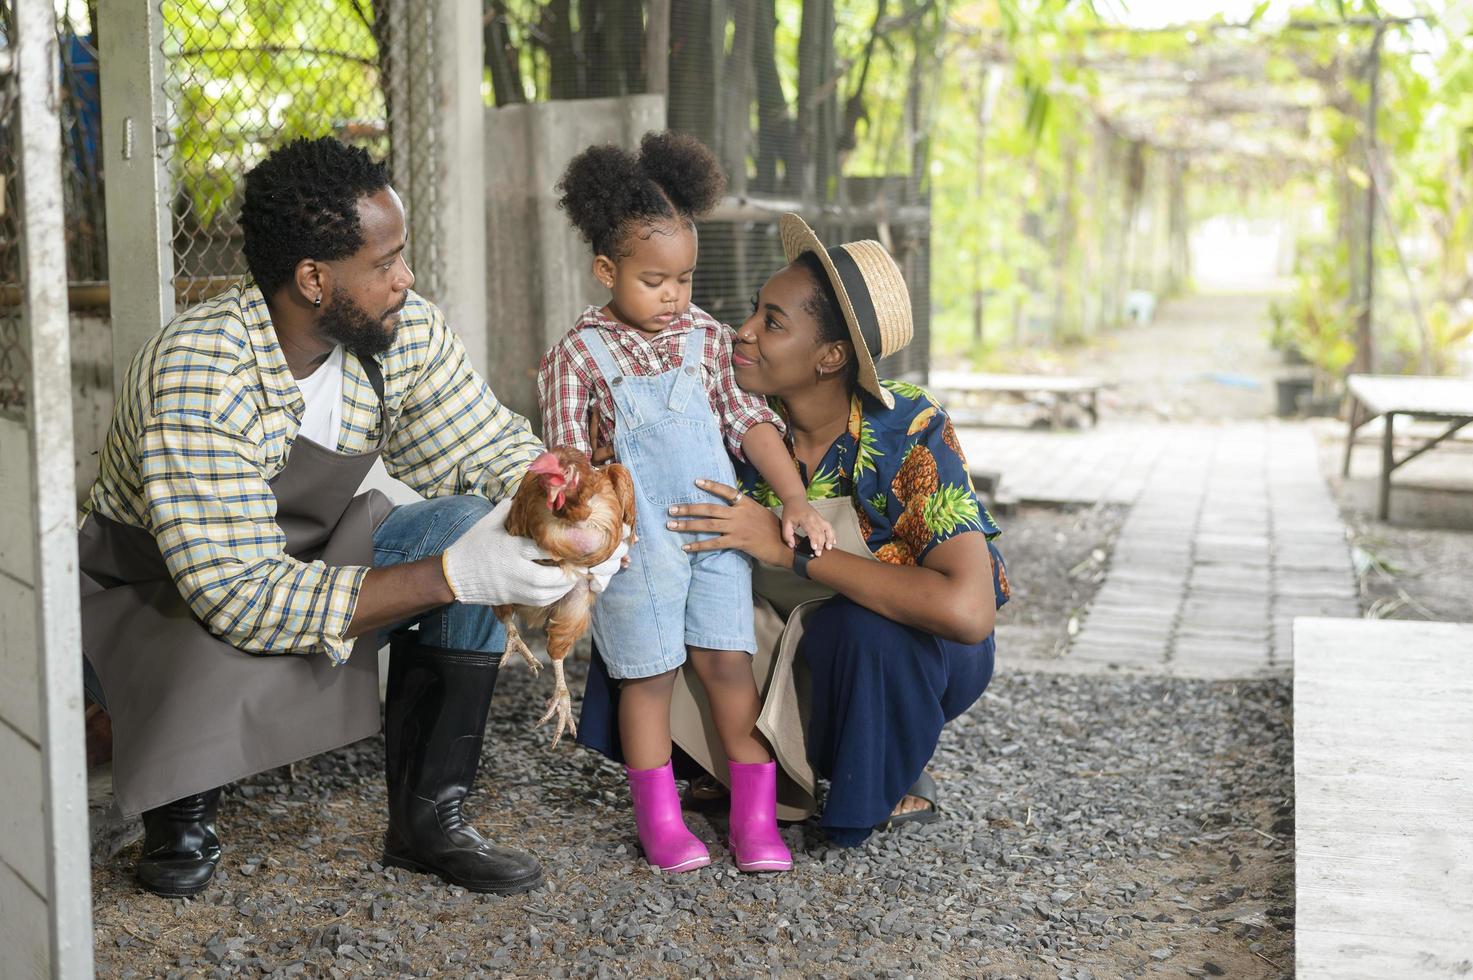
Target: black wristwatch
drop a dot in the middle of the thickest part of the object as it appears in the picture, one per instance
(802, 555)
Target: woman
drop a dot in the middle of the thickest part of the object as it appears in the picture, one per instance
(905, 644)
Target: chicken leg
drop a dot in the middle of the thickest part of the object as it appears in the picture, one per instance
(515, 644)
(559, 705)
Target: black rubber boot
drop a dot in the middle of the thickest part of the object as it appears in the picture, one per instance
(180, 849)
(434, 720)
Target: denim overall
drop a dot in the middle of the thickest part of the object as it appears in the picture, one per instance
(667, 599)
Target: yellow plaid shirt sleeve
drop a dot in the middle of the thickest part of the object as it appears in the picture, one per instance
(452, 436)
(206, 418)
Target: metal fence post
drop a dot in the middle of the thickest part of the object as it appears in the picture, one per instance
(53, 495)
(140, 256)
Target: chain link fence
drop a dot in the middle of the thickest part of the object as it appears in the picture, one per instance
(244, 76)
(241, 77)
(82, 188)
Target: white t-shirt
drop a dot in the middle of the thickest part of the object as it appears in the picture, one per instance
(323, 391)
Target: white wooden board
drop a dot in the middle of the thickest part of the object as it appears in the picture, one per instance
(20, 701)
(24, 953)
(17, 549)
(20, 808)
(1415, 395)
(1383, 778)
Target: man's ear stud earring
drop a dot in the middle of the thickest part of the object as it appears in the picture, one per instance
(317, 302)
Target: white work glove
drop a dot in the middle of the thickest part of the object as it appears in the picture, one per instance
(489, 567)
(599, 575)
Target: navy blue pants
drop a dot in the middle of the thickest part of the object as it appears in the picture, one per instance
(880, 694)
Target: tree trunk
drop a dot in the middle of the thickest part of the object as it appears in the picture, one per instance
(802, 178)
(1064, 244)
(736, 109)
(694, 68)
(562, 53)
(608, 31)
(502, 58)
(979, 249)
(774, 124)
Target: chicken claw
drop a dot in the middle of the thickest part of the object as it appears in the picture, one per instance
(559, 705)
(515, 644)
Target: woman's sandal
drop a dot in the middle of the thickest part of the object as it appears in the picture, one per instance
(924, 788)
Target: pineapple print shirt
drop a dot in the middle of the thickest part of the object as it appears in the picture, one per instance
(905, 472)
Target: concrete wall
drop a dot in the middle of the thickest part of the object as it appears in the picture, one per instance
(539, 272)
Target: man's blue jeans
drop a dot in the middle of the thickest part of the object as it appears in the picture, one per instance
(424, 529)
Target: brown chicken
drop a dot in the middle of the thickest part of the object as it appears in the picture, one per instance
(579, 514)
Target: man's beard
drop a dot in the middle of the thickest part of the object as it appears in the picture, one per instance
(349, 324)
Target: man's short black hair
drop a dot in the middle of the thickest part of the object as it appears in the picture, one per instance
(301, 202)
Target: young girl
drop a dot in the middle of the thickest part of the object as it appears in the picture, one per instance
(651, 375)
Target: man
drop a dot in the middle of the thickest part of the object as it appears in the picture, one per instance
(235, 591)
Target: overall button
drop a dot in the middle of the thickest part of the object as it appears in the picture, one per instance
(618, 379)
(690, 370)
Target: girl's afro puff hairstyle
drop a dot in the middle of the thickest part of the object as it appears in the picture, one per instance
(609, 192)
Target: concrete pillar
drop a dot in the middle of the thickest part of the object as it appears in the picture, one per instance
(539, 272)
(140, 254)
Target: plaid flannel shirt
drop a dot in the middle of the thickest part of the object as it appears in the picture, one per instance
(571, 390)
(206, 417)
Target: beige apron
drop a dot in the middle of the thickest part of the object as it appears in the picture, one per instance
(783, 602)
(189, 711)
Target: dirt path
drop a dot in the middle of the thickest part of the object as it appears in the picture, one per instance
(1202, 357)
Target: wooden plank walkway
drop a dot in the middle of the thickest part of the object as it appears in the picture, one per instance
(1383, 773)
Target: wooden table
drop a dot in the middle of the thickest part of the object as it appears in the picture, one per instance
(1383, 799)
(1447, 400)
(1082, 389)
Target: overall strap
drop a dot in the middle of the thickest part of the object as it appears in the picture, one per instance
(375, 378)
(689, 378)
(603, 358)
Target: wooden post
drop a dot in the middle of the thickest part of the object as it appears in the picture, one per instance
(1365, 353)
(1388, 463)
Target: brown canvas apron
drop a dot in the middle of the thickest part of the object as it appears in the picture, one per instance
(189, 711)
(783, 602)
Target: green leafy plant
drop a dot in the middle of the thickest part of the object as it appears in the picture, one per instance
(1322, 318)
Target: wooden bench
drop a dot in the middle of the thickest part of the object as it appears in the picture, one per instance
(963, 384)
(1369, 396)
(1383, 798)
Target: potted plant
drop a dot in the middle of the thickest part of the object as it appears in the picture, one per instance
(1322, 323)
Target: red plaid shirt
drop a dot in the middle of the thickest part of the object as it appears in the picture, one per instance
(571, 390)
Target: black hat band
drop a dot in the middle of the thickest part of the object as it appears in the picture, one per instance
(858, 291)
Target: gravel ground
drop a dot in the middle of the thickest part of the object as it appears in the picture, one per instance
(1056, 561)
(1094, 826)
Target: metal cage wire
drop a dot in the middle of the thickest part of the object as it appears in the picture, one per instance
(245, 76)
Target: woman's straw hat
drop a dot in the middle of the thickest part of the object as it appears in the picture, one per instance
(871, 292)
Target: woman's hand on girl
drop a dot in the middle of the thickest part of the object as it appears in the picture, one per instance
(740, 523)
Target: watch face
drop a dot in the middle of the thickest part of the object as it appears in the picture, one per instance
(804, 547)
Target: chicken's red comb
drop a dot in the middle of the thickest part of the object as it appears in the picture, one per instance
(546, 465)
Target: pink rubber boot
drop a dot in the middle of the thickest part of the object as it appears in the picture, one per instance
(668, 845)
(755, 842)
